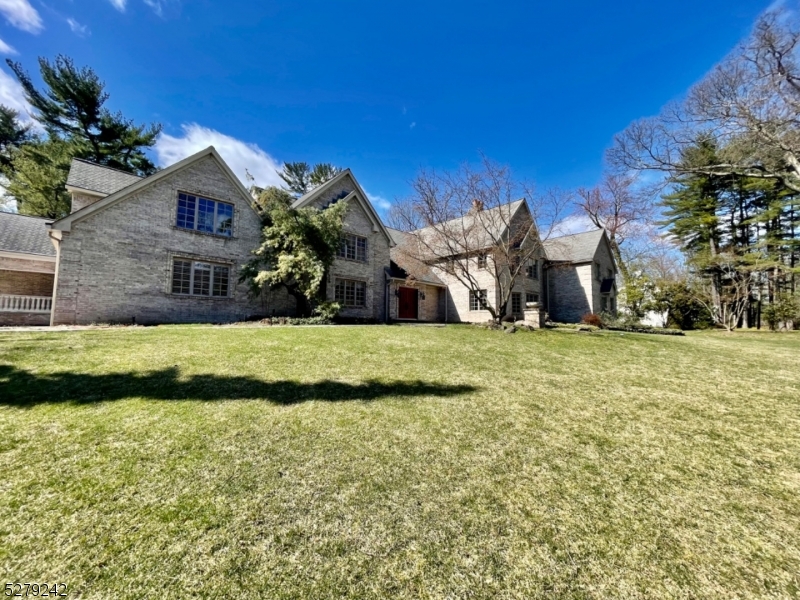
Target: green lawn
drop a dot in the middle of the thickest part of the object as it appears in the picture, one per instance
(402, 462)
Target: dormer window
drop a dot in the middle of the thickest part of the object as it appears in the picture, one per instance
(206, 216)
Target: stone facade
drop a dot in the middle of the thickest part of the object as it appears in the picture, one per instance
(80, 201)
(574, 289)
(371, 271)
(115, 264)
(431, 301)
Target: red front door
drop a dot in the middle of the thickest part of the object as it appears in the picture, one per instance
(408, 303)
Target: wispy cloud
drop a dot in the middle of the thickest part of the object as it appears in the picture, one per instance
(413, 124)
(156, 5)
(576, 223)
(77, 28)
(21, 15)
(13, 96)
(240, 156)
(379, 202)
(119, 4)
(6, 49)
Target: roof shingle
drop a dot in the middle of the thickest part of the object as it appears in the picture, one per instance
(24, 234)
(97, 178)
(576, 248)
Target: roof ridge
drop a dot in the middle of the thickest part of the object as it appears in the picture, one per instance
(596, 230)
(8, 212)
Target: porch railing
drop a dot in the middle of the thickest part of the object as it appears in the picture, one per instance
(26, 304)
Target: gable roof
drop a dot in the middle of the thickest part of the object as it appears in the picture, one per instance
(575, 248)
(65, 224)
(25, 235)
(400, 263)
(487, 225)
(91, 177)
(358, 195)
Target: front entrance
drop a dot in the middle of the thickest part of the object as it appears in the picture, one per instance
(408, 303)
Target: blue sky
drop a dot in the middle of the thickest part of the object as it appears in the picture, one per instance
(384, 88)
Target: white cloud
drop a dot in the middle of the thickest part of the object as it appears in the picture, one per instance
(12, 95)
(573, 224)
(118, 4)
(156, 5)
(21, 15)
(240, 156)
(6, 49)
(77, 28)
(379, 202)
(413, 124)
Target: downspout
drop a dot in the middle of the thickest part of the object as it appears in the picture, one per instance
(55, 238)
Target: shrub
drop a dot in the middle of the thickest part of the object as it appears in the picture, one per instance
(328, 310)
(780, 311)
(592, 319)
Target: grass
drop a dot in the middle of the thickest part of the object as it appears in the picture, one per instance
(403, 462)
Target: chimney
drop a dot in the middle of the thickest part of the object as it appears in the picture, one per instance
(477, 206)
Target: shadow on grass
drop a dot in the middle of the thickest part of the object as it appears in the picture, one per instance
(21, 388)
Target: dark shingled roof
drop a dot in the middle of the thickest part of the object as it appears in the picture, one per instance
(399, 258)
(576, 248)
(97, 178)
(27, 235)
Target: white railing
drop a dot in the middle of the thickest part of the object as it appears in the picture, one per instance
(28, 304)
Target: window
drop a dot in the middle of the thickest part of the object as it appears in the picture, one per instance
(348, 292)
(597, 271)
(530, 297)
(202, 214)
(533, 270)
(481, 261)
(195, 278)
(477, 301)
(610, 273)
(516, 303)
(604, 303)
(354, 247)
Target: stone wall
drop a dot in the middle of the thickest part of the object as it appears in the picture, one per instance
(21, 283)
(429, 309)
(13, 319)
(371, 272)
(80, 201)
(569, 292)
(116, 264)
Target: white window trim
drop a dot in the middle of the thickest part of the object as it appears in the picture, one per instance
(341, 253)
(484, 300)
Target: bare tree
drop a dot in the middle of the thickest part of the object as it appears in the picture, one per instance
(749, 103)
(725, 294)
(616, 206)
(475, 221)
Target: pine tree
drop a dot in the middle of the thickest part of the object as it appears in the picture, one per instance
(40, 169)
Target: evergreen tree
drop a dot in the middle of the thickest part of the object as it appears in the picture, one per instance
(72, 108)
(12, 135)
(39, 169)
(301, 178)
(298, 246)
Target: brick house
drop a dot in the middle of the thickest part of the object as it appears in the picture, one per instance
(168, 249)
(27, 270)
(581, 276)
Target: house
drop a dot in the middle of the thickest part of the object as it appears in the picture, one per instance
(27, 270)
(581, 276)
(453, 301)
(357, 279)
(168, 248)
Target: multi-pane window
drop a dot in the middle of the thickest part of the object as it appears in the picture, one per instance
(533, 269)
(597, 271)
(353, 247)
(516, 303)
(349, 292)
(201, 214)
(531, 297)
(196, 278)
(477, 300)
(481, 261)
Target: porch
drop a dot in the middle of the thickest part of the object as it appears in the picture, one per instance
(25, 310)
